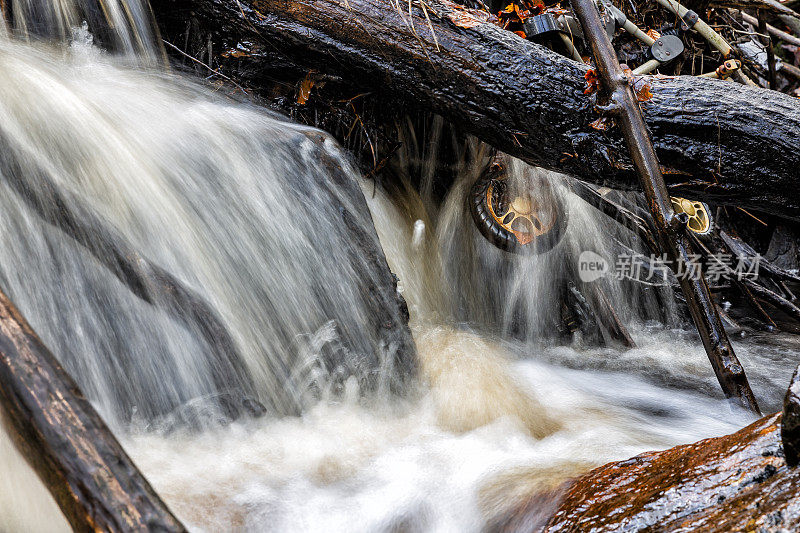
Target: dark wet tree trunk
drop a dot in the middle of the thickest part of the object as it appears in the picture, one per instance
(66, 442)
(718, 141)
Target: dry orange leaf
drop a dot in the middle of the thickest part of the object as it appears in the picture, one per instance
(602, 123)
(305, 88)
(653, 34)
(640, 84)
(642, 90)
(592, 81)
(234, 53)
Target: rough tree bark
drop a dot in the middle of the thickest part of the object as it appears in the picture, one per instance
(738, 482)
(746, 481)
(63, 438)
(719, 141)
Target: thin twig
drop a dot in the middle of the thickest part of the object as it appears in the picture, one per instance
(745, 211)
(218, 73)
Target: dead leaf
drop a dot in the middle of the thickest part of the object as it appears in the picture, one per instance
(602, 123)
(534, 6)
(642, 90)
(463, 20)
(305, 88)
(234, 53)
(592, 81)
(640, 84)
(464, 17)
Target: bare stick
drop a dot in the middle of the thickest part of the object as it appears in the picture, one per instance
(670, 228)
(94, 482)
(772, 30)
(766, 40)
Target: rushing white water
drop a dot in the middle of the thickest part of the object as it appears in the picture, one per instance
(231, 200)
(463, 454)
(127, 27)
(227, 198)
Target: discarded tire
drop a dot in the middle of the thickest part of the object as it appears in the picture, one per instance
(530, 222)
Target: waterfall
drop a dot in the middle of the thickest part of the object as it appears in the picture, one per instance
(262, 222)
(124, 26)
(457, 275)
(234, 202)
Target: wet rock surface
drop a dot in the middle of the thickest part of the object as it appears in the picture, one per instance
(790, 425)
(739, 482)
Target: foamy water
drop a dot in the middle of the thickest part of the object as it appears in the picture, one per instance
(489, 424)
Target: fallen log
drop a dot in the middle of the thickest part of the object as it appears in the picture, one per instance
(739, 482)
(718, 141)
(745, 481)
(94, 482)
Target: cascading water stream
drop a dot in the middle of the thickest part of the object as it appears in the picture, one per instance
(249, 212)
(226, 198)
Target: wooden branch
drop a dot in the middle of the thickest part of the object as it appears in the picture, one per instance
(766, 40)
(66, 442)
(744, 288)
(744, 251)
(638, 225)
(772, 30)
(608, 317)
(718, 141)
(774, 298)
(772, 6)
(670, 229)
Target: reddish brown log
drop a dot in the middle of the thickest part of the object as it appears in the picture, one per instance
(738, 482)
